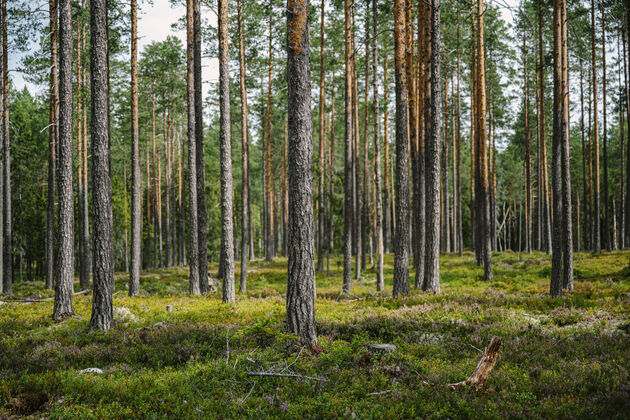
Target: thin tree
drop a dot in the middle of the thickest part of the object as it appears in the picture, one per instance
(103, 269)
(348, 154)
(387, 208)
(597, 245)
(7, 248)
(527, 162)
(245, 221)
(480, 135)
(432, 161)
(53, 133)
(321, 202)
(227, 245)
(65, 224)
(606, 233)
(301, 272)
(401, 241)
(200, 165)
(193, 227)
(136, 210)
(380, 282)
(269, 238)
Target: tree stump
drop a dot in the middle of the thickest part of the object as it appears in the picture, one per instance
(490, 356)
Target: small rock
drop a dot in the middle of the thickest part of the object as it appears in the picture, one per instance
(87, 371)
(169, 308)
(381, 348)
(155, 326)
(122, 314)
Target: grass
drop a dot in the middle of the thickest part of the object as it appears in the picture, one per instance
(562, 358)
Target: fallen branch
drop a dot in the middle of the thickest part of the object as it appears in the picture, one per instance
(286, 375)
(371, 394)
(27, 300)
(490, 356)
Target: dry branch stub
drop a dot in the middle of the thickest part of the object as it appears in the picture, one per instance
(490, 356)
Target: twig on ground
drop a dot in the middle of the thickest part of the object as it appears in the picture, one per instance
(371, 394)
(490, 356)
(287, 375)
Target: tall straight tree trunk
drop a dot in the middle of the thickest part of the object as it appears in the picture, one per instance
(103, 269)
(528, 165)
(480, 134)
(200, 165)
(380, 281)
(556, 165)
(622, 198)
(418, 196)
(53, 134)
(7, 248)
(331, 181)
(401, 241)
(300, 273)
(607, 221)
(543, 189)
(136, 210)
(596, 193)
(365, 208)
(459, 230)
(227, 246)
(387, 208)
(245, 220)
(269, 200)
(432, 156)
(567, 220)
(193, 228)
(625, 36)
(357, 158)
(348, 199)
(321, 210)
(86, 259)
(65, 225)
(584, 157)
(423, 69)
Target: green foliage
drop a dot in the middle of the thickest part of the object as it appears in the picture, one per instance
(563, 357)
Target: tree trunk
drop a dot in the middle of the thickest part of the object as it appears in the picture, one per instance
(321, 209)
(596, 210)
(269, 200)
(387, 208)
(432, 156)
(528, 166)
(380, 281)
(301, 273)
(227, 246)
(7, 248)
(348, 199)
(136, 210)
(200, 165)
(459, 230)
(245, 220)
(103, 275)
(65, 231)
(53, 133)
(401, 241)
(480, 134)
(193, 235)
(607, 221)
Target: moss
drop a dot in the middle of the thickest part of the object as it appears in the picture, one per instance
(564, 357)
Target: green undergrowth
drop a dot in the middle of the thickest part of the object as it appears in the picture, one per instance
(561, 358)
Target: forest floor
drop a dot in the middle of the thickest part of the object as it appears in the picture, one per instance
(561, 358)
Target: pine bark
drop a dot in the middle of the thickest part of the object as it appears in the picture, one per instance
(387, 208)
(597, 241)
(53, 134)
(245, 220)
(7, 249)
(65, 226)
(136, 210)
(193, 227)
(269, 198)
(606, 232)
(321, 201)
(300, 273)
(227, 246)
(380, 281)
(200, 165)
(432, 155)
(348, 214)
(103, 269)
(401, 241)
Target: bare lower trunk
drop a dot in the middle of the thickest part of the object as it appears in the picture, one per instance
(300, 272)
(348, 199)
(136, 210)
(245, 216)
(103, 270)
(401, 242)
(227, 246)
(380, 281)
(65, 231)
